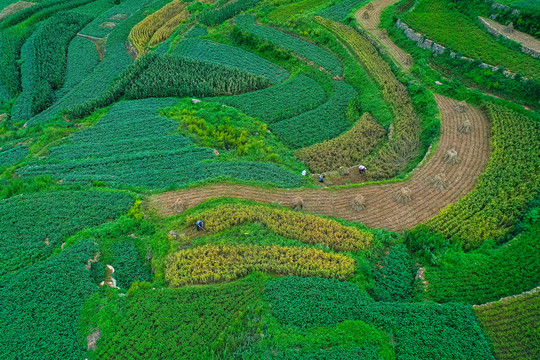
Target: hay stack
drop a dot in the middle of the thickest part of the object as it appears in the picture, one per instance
(465, 128)
(451, 157)
(343, 171)
(179, 206)
(370, 6)
(439, 181)
(461, 107)
(509, 29)
(297, 203)
(408, 59)
(403, 196)
(358, 203)
(365, 15)
(384, 34)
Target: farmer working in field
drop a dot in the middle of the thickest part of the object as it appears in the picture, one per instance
(361, 169)
(321, 178)
(200, 225)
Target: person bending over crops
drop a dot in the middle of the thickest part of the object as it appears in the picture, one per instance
(200, 225)
(361, 169)
(321, 178)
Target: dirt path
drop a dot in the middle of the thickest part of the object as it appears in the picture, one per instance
(382, 210)
(524, 39)
(371, 25)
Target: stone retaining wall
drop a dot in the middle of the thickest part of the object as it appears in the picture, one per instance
(423, 42)
(492, 30)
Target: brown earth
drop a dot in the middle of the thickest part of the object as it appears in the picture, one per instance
(382, 210)
(371, 25)
(518, 36)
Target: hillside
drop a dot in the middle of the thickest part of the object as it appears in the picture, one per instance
(269, 179)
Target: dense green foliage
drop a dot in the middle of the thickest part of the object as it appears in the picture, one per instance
(110, 154)
(348, 340)
(307, 50)
(151, 324)
(216, 53)
(322, 123)
(279, 102)
(41, 306)
(487, 275)
(513, 326)
(115, 60)
(44, 62)
(394, 280)
(509, 182)
(128, 265)
(340, 10)
(417, 328)
(440, 23)
(40, 222)
(12, 155)
(82, 58)
(224, 10)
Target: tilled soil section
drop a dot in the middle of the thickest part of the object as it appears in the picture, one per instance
(369, 16)
(382, 210)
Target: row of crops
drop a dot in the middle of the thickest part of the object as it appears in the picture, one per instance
(46, 298)
(436, 20)
(12, 155)
(216, 263)
(115, 60)
(504, 189)
(305, 228)
(294, 44)
(157, 27)
(322, 123)
(152, 323)
(279, 102)
(405, 143)
(131, 147)
(216, 53)
(505, 321)
(41, 222)
(44, 58)
(166, 76)
(348, 149)
(416, 328)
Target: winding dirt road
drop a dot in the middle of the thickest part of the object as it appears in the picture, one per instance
(369, 18)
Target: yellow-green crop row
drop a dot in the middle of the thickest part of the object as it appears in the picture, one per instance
(217, 263)
(305, 228)
(157, 27)
(346, 150)
(405, 143)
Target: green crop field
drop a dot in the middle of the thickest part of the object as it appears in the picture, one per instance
(269, 180)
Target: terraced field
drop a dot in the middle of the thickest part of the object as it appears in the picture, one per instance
(268, 179)
(382, 210)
